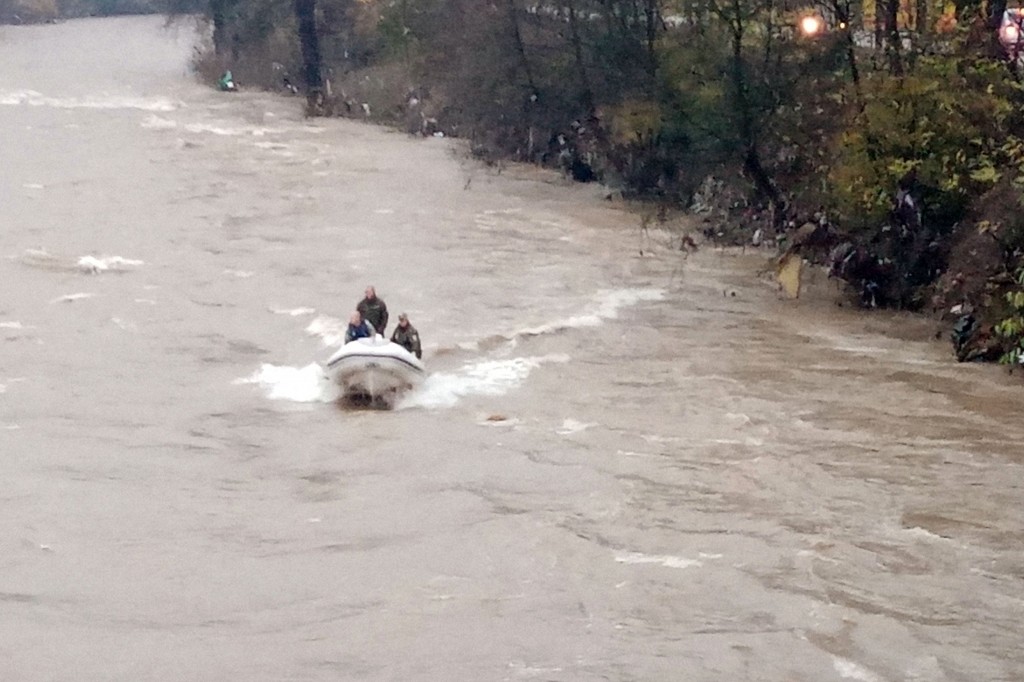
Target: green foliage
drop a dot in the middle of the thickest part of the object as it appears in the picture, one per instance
(1011, 328)
(950, 120)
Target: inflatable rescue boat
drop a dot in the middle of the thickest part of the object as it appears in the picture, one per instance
(374, 371)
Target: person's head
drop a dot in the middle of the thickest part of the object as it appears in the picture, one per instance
(403, 320)
(356, 318)
(371, 293)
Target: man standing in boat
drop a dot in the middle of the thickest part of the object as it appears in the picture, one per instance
(358, 328)
(373, 310)
(407, 337)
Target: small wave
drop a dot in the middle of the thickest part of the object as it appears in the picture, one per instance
(924, 534)
(38, 99)
(11, 325)
(44, 260)
(226, 131)
(331, 330)
(571, 426)
(851, 671)
(293, 312)
(660, 559)
(40, 258)
(240, 274)
(94, 265)
(72, 297)
(485, 378)
(605, 306)
(306, 384)
(154, 122)
(33, 185)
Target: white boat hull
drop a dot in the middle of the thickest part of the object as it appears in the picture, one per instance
(374, 369)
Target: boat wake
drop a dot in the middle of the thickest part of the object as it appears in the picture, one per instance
(310, 384)
(479, 377)
(482, 378)
(306, 384)
(605, 305)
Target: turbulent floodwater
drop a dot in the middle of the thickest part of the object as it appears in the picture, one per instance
(620, 468)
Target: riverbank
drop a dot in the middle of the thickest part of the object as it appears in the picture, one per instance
(952, 254)
(18, 12)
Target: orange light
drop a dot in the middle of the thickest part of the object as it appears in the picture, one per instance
(811, 25)
(1009, 33)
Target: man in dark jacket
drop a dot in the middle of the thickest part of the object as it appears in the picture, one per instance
(373, 310)
(407, 337)
(358, 328)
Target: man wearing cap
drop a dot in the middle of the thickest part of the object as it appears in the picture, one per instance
(373, 310)
(407, 337)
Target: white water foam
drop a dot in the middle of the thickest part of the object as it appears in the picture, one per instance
(306, 384)
(487, 378)
(605, 306)
(310, 384)
(331, 330)
(293, 312)
(154, 122)
(659, 559)
(38, 99)
(11, 325)
(228, 131)
(94, 265)
(923, 534)
(851, 671)
(72, 297)
(571, 426)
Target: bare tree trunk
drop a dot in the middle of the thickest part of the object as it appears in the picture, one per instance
(921, 18)
(652, 17)
(893, 42)
(752, 164)
(879, 24)
(309, 42)
(218, 12)
(517, 36)
(843, 12)
(581, 67)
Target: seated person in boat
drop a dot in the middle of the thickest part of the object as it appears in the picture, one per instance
(373, 310)
(407, 337)
(358, 328)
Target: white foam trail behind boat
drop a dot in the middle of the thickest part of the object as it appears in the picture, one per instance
(306, 384)
(486, 377)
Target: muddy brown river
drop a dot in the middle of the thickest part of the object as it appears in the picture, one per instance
(621, 467)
